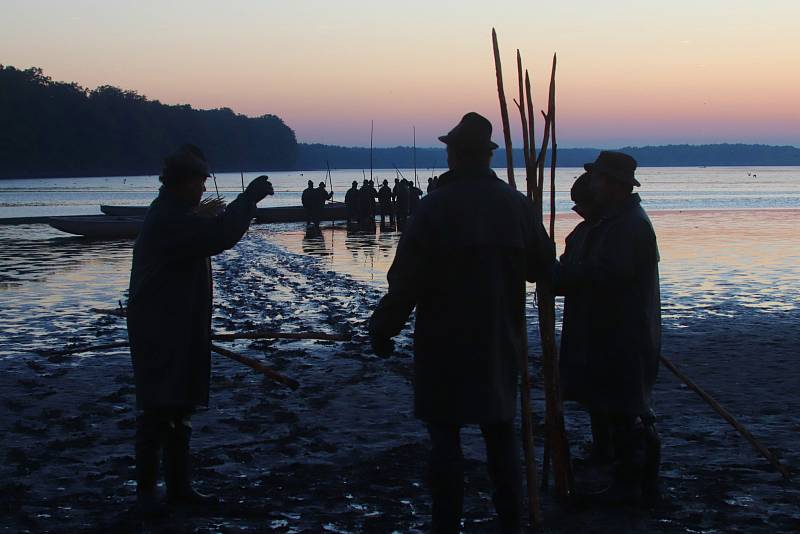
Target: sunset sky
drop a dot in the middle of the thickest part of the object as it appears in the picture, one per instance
(630, 72)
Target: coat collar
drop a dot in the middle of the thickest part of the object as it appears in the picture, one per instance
(626, 205)
(174, 201)
(456, 175)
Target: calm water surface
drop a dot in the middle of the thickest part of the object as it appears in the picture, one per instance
(713, 264)
(663, 188)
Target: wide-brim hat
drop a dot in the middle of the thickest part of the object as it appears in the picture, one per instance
(616, 165)
(474, 131)
(188, 160)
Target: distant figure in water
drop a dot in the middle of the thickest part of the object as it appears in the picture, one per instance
(477, 239)
(321, 196)
(414, 195)
(385, 201)
(169, 320)
(308, 200)
(402, 199)
(351, 201)
(611, 337)
(366, 205)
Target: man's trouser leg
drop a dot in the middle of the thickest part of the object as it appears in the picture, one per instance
(446, 477)
(502, 451)
(151, 429)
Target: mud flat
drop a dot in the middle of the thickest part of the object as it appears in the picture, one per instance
(344, 452)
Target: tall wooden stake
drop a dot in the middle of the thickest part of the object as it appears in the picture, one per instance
(371, 131)
(557, 444)
(531, 474)
(524, 120)
(553, 150)
(501, 94)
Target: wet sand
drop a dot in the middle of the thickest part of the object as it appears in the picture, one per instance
(344, 452)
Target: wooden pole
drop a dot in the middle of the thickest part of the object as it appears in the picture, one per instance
(557, 446)
(524, 120)
(765, 452)
(371, 131)
(270, 373)
(503, 111)
(414, 153)
(269, 334)
(553, 150)
(530, 166)
(525, 382)
(241, 173)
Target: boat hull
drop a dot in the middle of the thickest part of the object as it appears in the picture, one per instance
(334, 211)
(98, 226)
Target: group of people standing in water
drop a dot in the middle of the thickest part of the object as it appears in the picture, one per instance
(395, 204)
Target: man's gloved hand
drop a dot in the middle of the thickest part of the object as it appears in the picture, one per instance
(259, 188)
(383, 347)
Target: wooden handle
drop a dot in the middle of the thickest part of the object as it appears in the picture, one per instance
(258, 366)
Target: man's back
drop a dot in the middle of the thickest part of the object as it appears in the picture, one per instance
(463, 263)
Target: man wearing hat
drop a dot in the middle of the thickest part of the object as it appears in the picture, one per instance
(463, 262)
(351, 201)
(611, 340)
(169, 319)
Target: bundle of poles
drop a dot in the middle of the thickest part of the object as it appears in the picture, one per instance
(556, 450)
(556, 445)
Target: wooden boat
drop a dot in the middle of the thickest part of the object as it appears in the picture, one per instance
(124, 211)
(98, 226)
(333, 211)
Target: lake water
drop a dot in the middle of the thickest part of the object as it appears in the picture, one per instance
(729, 243)
(688, 188)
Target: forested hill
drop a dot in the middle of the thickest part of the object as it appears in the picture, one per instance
(315, 156)
(50, 128)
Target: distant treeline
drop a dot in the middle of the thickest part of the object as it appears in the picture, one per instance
(315, 156)
(50, 128)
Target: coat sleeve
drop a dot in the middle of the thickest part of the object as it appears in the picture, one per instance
(194, 236)
(540, 253)
(406, 276)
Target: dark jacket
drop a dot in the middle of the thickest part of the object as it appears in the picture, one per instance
(463, 262)
(385, 197)
(611, 338)
(351, 201)
(169, 305)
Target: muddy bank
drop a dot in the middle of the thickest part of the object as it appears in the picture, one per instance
(344, 453)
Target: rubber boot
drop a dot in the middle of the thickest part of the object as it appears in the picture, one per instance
(149, 440)
(177, 468)
(446, 479)
(626, 488)
(651, 490)
(502, 450)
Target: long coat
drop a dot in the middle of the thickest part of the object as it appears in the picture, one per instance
(611, 338)
(169, 303)
(463, 262)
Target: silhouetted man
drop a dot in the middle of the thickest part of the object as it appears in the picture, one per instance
(402, 199)
(321, 196)
(430, 185)
(366, 204)
(308, 199)
(414, 194)
(385, 201)
(351, 201)
(463, 262)
(169, 319)
(611, 341)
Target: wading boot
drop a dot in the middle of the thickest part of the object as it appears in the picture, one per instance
(626, 488)
(148, 444)
(177, 469)
(651, 490)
